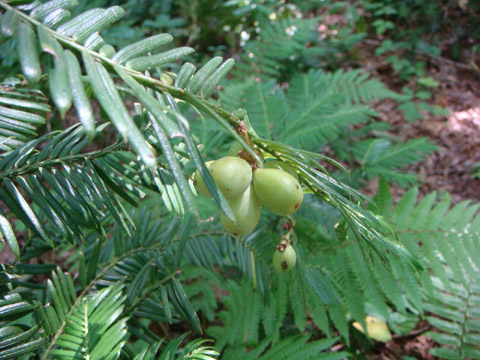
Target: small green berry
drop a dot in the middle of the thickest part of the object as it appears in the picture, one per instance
(284, 258)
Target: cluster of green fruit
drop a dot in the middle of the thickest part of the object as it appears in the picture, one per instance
(274, 186)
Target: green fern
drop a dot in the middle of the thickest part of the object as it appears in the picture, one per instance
(289, 348)
(282, 42)
(241, 317)
(313, 111)
(448, 242)
(317, 110)
(381, 158)
(275, 312)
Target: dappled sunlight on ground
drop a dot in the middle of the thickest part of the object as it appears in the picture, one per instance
(465, 121)
(457, 135)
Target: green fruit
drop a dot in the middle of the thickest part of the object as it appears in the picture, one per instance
(275, 164)
(235, 149)
(232, 176)
(199, 183)
(284, 258)
(376, 328)
(277, 191)
(246, 210)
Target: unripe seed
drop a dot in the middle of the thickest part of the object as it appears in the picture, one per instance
(280, 165)
(277, 191)
(232, 176)
(199, 183)
(284, 258)
(246, 210)
(235, 149)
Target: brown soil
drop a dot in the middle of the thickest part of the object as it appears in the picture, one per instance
(456, 135)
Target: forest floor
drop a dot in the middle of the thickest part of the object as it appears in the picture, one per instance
(456, 135)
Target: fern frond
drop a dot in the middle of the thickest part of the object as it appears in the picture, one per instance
(297, 300)
(325, 102)
(265, 102)
(366, 280)
(280, 43)
(456, 319)
(379, 157)
(448, 242)
(354, 86)
(242, 317)
(315, 109)
(292, 347)
(318, 119)
(360, 87)
(352, 292)
(274, 313)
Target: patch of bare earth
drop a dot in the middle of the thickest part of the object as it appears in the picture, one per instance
(457, 135)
